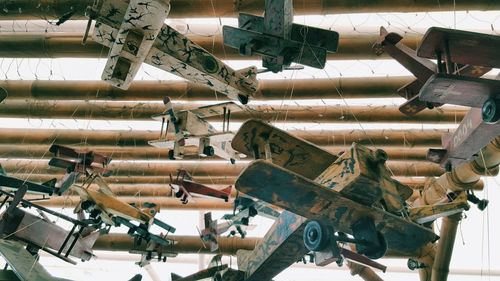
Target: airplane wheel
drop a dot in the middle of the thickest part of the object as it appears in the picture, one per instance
(316, 236)
(243, 99)
(373, 243)
(179, 194)
(232, 160)
(209, 151)
(171, 155)
(87, 204)
(491, 111)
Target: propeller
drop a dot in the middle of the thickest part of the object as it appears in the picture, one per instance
(179, 136)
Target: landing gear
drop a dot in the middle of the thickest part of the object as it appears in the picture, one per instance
(232, 160)
(491, 111)
(316, 236)
(243, 99)
(371, 242)
(171, 155)
(209, 150)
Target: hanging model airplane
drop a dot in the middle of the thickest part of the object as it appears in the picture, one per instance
(39, 232)
(183, 187)
(278, 40)
(216, 271)
(352, 195)
(191, 129)
(422, 68)
(135, 33)
(153, 251)
(102, 205)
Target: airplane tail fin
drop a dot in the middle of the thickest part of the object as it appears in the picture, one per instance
(175, 277)
(50, 183)
(2, 171)
(385, 38)
(137, 277)
(227, 190)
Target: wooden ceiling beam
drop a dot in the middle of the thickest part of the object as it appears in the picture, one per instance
(50, 9)
(291, 113)
(336, 88)
(428, 137)
(201, 168)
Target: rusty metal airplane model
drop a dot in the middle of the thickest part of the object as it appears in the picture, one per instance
(135, 33)
(278, 40)
(346, 199)
(191, 129)
(183, 187)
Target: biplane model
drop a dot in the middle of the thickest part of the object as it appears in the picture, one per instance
(191, 129)
(183, 187)
(216, 271)
(278, 40)
(244, 209)
(153, 251)
(12, 183)
(423, 69)
(25, 266)
(39, 232)
(460, 78)
(135, 33)
(102, 205)
(77, 163)
(343, 199)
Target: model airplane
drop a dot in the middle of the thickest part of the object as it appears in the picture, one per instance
(183, 187)
(135, 33)
(422, 68)
(329, 191)
(39, 232)
(456, 47)
(191, 128)
(216, 271)
(278, 40)
(102, 205)
(12, 183)
(25, 266)
(153, 251)
(77, 163)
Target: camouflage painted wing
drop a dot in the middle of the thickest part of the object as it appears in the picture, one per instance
(306, 198)
(286, 150)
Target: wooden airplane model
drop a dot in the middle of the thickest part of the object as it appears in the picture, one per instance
(102, 205)
(278, 40)
(39, 232)
(135, 33)
(25, 266)
(191, 128)
(422, 68)
(456, 47)
(77, 163)
(183, 187)
(352, 195)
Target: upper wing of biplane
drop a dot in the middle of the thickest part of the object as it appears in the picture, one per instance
(15, 183)
(216, 109)
(260, 140)
(25, 265)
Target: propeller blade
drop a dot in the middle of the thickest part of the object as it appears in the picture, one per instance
(87, 30)
(18, 196)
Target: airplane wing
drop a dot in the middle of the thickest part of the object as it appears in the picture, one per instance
(191, 141)
(25, 265)
(306, 198)
(136, 34)
(16, 183)
(284, 149)
(464, 47)
(460, 90)
(200, 275)
(216, 109)
(103, 186)
(175, 53)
